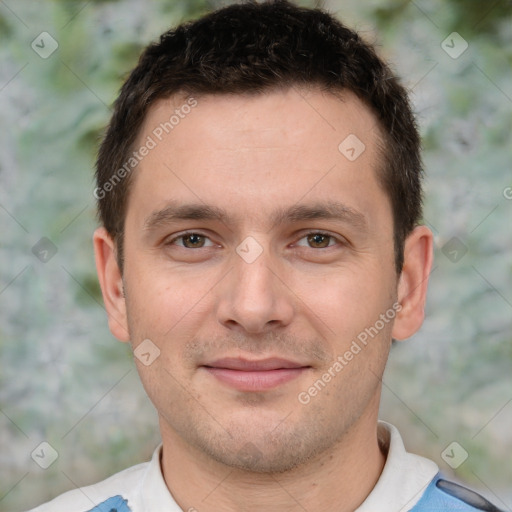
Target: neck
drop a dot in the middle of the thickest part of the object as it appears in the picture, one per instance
(338, 480)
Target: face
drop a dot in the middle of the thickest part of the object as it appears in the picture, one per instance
(259, 262)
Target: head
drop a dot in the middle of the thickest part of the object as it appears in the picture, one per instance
(259, 189)
(251, 49)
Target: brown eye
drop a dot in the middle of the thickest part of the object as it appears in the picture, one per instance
(318, 240)
(191, 241)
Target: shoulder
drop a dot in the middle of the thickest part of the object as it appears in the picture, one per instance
(442, 495)
(114, 493)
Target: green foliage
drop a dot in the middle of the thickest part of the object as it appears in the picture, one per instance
(58, 357)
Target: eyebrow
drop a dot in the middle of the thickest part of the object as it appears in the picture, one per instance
(328, 210)
(174, 211)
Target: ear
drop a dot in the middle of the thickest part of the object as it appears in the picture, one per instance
(413, 282)
(111, 283)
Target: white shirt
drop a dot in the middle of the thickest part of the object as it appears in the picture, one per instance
(401, 484)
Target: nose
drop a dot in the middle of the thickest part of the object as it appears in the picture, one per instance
(254, 298)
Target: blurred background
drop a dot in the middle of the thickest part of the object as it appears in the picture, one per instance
(66, 381)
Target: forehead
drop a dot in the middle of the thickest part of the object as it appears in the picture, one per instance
(271, 148)
(278, 113)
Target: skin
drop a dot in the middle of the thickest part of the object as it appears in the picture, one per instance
(300, 299)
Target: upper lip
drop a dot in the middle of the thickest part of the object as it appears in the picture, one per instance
(234, 363)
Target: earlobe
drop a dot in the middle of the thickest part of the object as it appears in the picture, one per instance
(111, 283)
(413, 283)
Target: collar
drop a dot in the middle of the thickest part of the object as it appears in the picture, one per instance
(401, 484)
(404, 478)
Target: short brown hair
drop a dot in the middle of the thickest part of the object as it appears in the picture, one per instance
(250, 48)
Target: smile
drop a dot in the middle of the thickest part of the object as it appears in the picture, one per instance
(254, 375)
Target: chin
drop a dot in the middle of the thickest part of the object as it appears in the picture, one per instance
(273, 447)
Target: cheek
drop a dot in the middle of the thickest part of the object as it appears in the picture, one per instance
(153, 306)
(166, 304)
(346, 300)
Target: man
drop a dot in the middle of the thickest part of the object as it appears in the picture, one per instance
(259, 189)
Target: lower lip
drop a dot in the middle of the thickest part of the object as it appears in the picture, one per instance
(255, 380)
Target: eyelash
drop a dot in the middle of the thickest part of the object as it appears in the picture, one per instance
(183, 235)
(306, 235)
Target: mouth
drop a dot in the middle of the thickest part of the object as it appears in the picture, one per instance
(260, 375)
